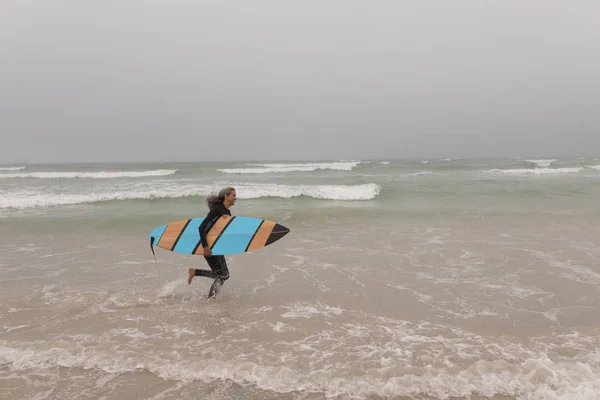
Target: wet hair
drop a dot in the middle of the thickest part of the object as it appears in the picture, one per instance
(214, 200)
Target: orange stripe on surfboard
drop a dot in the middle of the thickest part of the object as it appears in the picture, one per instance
(261, 236)
(214, 232)
(171, 234)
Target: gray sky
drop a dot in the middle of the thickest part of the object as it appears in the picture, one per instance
(134, 80)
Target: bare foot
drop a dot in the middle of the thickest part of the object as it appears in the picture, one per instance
(191, 274)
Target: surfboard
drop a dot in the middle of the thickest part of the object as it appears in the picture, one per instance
(228, 235)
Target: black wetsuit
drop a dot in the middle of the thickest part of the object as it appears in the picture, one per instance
(219, 271)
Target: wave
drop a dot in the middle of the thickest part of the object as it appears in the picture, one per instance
(422, 173)
(596, 167)
(25, 200)
(366, 191)
(540, 163)
(450, 159)
(91, 175)
(537, 171)
(12, 168)
(300, 167)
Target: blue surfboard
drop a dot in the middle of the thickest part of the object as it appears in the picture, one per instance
(228, 235)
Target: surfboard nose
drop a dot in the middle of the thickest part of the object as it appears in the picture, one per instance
(277, 233)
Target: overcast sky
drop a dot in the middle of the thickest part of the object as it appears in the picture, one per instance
(140, 80)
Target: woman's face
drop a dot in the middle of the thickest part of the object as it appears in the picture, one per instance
(231, 197)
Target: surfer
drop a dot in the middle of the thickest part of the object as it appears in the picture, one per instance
(218, 206)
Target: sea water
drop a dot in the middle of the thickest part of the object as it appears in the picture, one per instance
(400, 279)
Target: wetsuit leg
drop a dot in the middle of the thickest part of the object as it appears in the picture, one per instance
(218, 265)
(220, 271)
(205, 272)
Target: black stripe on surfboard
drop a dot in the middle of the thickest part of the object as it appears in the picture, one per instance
(277, 233)
(254, 234)
(207, 232)
(180, 233)
(221, 234)
(197, 245)
(200, 240)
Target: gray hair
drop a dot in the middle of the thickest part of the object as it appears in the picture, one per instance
(214, 200)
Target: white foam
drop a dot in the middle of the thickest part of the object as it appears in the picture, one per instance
(533, 377)
(596, 167)
(450, 159)
(25, 200)
(305, 310)
(12, 328)
(423, 173)
(126, 301)
(179, 332)
(12, 168)
(422, 297)
(171, 288)
(537, 171)
(326, 192)
(91, 175)
(132, 333)
(278, 327)
(302, 167)
(541, 163)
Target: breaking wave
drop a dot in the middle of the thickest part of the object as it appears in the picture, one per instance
(300, 167)
(12, 168)
(91, 175)
(24, 200)
(536, 171)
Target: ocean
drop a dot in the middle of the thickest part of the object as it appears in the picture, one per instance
(400, 279)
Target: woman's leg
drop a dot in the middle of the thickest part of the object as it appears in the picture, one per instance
(219, 272)
(219, 268)
(203, 272)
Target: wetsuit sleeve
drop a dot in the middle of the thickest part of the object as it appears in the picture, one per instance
(211, 216)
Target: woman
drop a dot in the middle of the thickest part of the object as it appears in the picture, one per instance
(218, 206)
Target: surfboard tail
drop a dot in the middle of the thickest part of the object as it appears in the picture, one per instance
(155, 237)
